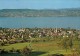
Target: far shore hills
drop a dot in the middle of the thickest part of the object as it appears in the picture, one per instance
(70, 12)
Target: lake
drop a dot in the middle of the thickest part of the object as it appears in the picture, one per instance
(40, 22)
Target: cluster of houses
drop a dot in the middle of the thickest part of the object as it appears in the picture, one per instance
(7, 34)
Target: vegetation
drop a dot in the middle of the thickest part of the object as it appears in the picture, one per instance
(39, 13)
(45, 48)
(40, 41)
(25, 51)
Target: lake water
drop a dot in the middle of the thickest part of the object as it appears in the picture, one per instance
(41, 22)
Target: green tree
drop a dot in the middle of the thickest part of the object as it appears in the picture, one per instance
(25, 51)
(64, 43)
(70, 43)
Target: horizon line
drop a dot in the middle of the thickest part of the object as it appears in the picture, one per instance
(41, 8)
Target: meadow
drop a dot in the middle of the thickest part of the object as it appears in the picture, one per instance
(40, 48)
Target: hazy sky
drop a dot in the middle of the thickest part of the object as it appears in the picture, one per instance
(39, 4)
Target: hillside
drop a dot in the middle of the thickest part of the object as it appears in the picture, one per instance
(39, 13)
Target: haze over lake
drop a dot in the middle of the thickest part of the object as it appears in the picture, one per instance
(41, 22)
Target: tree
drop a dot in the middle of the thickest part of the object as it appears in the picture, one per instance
(70, 43)
(64, 43)
(2, 44)
(12, 50)
(25, 51)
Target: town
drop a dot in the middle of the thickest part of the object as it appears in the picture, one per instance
(25, 34)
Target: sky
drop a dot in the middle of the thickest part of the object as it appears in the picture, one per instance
(39, 4)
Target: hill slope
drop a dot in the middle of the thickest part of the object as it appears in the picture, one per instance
(39, 13)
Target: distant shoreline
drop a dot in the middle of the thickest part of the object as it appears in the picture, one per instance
(40, 13)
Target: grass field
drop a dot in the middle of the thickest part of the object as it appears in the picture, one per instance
(39, 48)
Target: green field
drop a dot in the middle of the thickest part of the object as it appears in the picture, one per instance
(39, 48)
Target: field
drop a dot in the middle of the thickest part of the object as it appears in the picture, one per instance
(39, 48)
